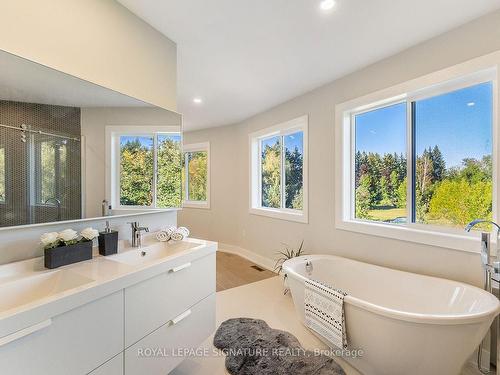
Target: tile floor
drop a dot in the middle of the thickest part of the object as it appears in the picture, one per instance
(263, 300)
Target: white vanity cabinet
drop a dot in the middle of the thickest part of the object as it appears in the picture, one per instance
(113, 367)
(167, 314)
(161, 351)
(167, 306)
(151, 303)
(75, 342)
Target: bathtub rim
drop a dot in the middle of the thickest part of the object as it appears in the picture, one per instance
(440, 319)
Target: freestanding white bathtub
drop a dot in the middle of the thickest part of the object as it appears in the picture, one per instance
(403, 322)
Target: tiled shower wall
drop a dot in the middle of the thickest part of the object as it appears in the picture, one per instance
(23, 202)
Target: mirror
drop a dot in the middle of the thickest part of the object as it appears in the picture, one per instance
(70, 149)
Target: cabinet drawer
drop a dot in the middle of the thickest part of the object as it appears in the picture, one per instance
(152, 303)
(113, 367)
(75, 342)
(160, 352)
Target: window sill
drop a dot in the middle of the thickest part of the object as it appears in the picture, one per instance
(289, 215)
(449, 240)
(133, 210)
(196, 204)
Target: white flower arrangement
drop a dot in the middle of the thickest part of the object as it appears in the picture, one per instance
(49, 240)
(67, 237)
(89, 233)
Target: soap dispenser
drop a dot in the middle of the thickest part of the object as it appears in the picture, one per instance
(108, 241)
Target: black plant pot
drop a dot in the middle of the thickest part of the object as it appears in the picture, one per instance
(63, 255)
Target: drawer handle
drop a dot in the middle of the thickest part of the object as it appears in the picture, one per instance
(183, 316)
(25, 332)
(181, 267)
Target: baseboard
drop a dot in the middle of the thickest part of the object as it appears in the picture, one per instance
(259, 260)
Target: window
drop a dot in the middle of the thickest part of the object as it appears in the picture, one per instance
(169, 160)
(2, 175)
(196, 175)
(420, 161)
(452, 163)
(136, 170)
(146, 168)
(279, 171)
(380, 164)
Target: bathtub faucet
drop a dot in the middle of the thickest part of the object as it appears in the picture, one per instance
(494, 267)
(489, 270)
(309, 267)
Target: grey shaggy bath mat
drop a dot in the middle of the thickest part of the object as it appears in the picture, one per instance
(253, 348)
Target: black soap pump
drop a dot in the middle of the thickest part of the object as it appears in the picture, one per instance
(108, 241)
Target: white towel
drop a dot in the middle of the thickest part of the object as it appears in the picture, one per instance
(324, 312)
(162, 236)
(177, 236)
(169, 230)
(184, 230)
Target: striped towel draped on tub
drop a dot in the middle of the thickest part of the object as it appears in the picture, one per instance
(324, 312)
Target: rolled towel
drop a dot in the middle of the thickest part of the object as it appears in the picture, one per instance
(184, 230)
(177, 236)
(169, 230)
(162, 236)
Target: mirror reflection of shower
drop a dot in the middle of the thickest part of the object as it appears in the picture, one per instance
(40, 163)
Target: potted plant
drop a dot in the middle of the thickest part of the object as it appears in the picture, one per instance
(67, 247)
(287, 253)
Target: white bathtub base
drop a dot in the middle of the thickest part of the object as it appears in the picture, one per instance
(410, 331)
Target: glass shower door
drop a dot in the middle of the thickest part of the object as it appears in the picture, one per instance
(54, 179)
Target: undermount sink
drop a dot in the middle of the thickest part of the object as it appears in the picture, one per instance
(152, 253)
(25, 290)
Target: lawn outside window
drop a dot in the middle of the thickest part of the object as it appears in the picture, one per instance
(419, 160)
(196, 175)
(279, 170)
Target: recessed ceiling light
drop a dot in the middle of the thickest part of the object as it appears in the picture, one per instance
(327, 4)
(197, 100)
(471, 104)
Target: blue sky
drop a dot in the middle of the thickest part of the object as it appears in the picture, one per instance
(295, 140)
(291, 141)
(460, 123)
(270, 142)
(148, 140)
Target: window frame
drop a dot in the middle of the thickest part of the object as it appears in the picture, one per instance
(255, 178)
(113, 134)
(464, 75)
(195, 147)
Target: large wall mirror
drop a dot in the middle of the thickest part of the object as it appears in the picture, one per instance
(70, 149)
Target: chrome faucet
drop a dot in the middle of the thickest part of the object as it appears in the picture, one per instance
(489, 270)
(137, 233)
(58, 204)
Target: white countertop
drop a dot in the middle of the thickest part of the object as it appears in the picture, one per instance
(106, 276)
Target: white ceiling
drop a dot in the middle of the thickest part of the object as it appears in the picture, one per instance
(26, 81)
(243, 57)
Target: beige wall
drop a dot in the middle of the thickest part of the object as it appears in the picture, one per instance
(228, 220)
(220, 222)
(94, 122)
(96, 40)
